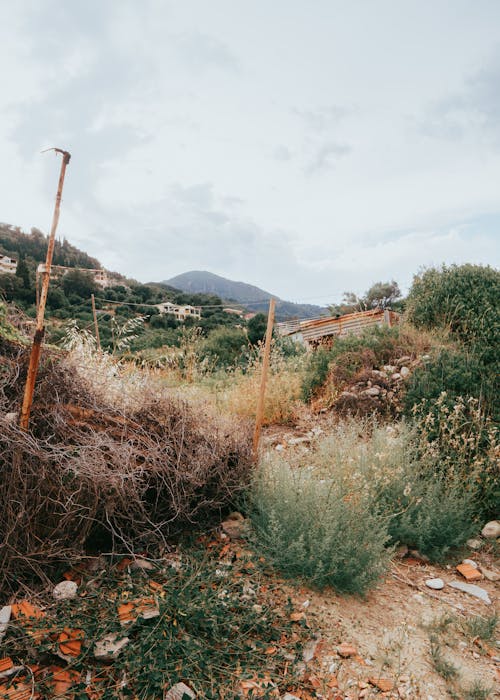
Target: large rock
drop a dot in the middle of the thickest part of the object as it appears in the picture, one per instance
(236, 526)
(491, 530)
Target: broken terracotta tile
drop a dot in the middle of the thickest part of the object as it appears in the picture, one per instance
(70, 641)
(297, 616)
(27, 610)
(142, 607)
(61, 680)
(469, 572)
(16, 691)
(383, 684)
(347, 650)
(6, 664)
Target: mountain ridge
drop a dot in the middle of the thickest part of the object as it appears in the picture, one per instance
(253, 297)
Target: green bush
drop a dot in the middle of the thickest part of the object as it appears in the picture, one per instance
(225, 346)
(317, 529)
(455, 371)
(316, 373)
(436, 514)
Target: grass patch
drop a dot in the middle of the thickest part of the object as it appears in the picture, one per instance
(477, 691)
(217, 627)
(479, 627)
(445, 668)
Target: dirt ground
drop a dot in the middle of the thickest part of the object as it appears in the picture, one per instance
(390, 631)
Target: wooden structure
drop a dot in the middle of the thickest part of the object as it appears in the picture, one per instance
(322, 331)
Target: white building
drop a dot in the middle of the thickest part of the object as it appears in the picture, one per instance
(179, 311)
(7, 265)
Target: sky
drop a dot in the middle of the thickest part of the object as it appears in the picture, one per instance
(305, 146)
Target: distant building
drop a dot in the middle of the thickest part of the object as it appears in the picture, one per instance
(101, 277)
(235, 312)
(181, 312)
(7, 265)
(324, 331)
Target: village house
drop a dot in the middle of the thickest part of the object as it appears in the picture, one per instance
(7, 265)
(181, 312)
(57, 271)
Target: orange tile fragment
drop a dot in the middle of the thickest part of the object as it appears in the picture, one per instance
(469, 572)
(383, 684)
(17, 691)
(6, 664)
(297, 616)
(345, 650)
(130, 611)
(27, 610)
(124, 563)
(62, 679)
(70, 641)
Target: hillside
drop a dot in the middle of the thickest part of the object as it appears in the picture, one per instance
(254, 298)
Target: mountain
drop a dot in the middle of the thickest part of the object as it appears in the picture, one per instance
(254, 298)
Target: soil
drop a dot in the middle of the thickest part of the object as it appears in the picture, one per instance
(390, 629)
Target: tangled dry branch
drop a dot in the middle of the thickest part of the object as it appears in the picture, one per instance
(93, 472)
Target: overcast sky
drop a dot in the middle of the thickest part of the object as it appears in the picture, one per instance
(306, 146)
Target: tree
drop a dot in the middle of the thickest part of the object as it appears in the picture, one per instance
(22, 271)
(257, 328)
(381, 295)
(79, 283)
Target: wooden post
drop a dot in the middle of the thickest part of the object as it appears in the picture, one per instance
(96, 326)
(40, 316)
(265, 366)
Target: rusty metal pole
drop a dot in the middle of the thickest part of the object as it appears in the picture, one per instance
(40, 316)
(96, 325)
(265, 367)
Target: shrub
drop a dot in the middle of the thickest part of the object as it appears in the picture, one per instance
(225, 346)
(108, 456)
(316, 529)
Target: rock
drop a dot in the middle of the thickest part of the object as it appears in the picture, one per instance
(425, 358)
(435, 583)
(289, 696)
(299, 441)
(470, 562)
(404, 372)
(109, 647)
(372, 391)
(66, 590)
(491, 530)
(11, 417)
(235, 529)
(179, 691)
(403, 360)
(489, 574)
(279, 447)
(141, 563)
(389, 368)
(309, 650)
(346, 650)
(471, 589)
(5, 614)
(474, 544)
(396, 376)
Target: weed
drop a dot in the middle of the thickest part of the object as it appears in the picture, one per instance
(318, 528)
(480, 627)
(445, 668)
(477, 691)
(206, 632)
(441, 624)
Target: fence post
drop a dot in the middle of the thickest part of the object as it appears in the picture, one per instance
(265, 367)
(36, 348)
(96, 326)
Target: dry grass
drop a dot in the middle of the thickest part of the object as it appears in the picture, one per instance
(109, 460)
